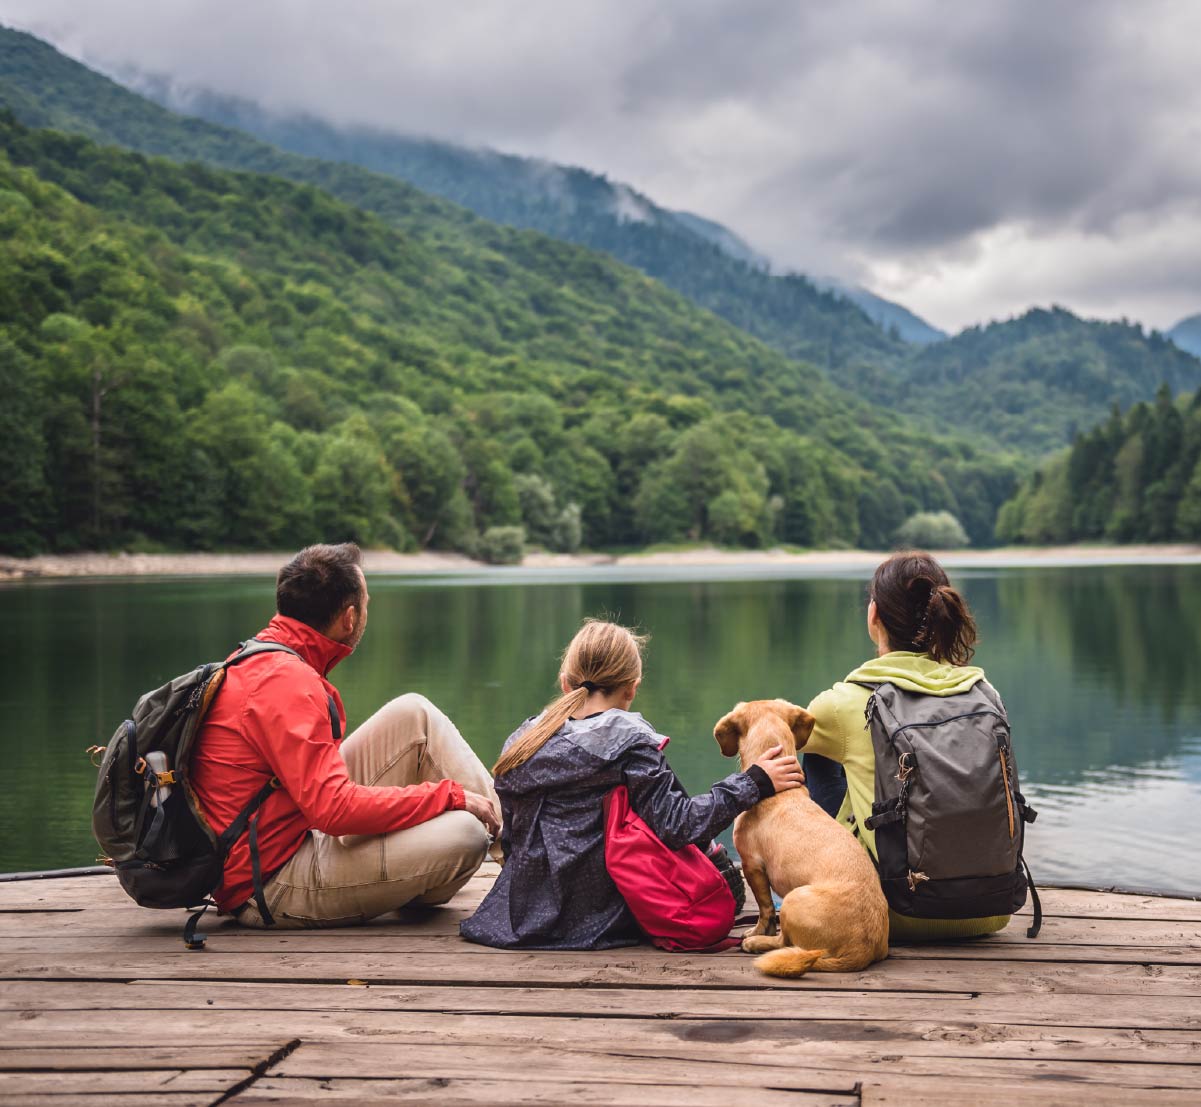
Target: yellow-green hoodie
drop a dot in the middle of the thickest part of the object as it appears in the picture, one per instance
(840, 733)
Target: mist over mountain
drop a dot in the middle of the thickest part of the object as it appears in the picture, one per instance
(892, 317)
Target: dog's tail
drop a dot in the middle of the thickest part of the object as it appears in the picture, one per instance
(791, 961)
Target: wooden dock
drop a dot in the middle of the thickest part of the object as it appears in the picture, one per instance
(100, 1003)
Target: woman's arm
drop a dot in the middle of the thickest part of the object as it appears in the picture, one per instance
(678, 818)
(829, 738)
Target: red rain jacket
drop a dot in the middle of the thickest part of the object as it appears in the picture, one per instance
(271, 718)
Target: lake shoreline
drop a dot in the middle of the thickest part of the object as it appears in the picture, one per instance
(387, 562)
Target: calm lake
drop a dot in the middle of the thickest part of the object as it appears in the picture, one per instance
(1098, 666)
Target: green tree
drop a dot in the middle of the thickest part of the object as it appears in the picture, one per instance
(938, 530)
(352, 489)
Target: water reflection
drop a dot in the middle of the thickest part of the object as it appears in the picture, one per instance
(1095, 666)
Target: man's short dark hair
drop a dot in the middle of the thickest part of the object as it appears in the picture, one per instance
(318, 583)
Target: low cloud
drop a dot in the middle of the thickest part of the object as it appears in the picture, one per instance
(967, 159)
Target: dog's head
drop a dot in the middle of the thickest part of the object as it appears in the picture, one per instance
(771, 722)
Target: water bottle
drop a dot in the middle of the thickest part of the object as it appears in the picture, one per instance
(157, 762)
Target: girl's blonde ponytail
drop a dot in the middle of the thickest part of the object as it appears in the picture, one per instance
(602, 657)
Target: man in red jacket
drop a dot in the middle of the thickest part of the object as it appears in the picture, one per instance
(402, 811)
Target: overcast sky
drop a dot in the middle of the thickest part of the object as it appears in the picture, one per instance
(966, 159)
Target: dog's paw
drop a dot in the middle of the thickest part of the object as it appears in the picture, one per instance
(759, 943)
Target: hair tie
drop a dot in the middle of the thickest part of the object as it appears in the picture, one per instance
(588, 685)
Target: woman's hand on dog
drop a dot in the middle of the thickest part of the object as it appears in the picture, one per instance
(783, 768)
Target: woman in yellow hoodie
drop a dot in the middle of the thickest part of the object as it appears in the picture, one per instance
(924, 637)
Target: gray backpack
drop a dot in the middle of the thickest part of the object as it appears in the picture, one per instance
(949, 817)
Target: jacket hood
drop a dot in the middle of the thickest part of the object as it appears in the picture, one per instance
(316, 650)
(915, 672)
(579, 752)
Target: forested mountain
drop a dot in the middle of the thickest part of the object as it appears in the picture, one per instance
(1187, 334)
(45, 89)
(569, 203)
(1024, 383)
(699, 258)
(194, 357)
(1134, 478)
(1030, 383)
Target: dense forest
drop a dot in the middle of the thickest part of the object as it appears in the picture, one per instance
(201, 358)
(1134, 478)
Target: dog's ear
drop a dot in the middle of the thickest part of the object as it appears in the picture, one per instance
(799, 721)
(729, 732)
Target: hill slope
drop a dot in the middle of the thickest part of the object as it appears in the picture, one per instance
(699, 258)
(1030, 383)
(202, 358)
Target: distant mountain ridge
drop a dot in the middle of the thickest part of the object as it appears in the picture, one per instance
(1187, 334)
(1034, 381)
(891, 316)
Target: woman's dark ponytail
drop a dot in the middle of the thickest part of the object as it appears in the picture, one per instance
(920, 611)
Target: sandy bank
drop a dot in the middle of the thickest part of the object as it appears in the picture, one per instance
(385, 561)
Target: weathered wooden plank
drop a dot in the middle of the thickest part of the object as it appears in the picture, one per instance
(140, 1082)
(901, 1091)
(430, 951)
(636, 967)
(115, 1099)
(622, 1062)
(496, 1093)
(1057, 954)
(1152, 1012)
(1122, 905)
(432, 929)
(95, 891)
(90, 893)
(114, 1055)
(793, 1038)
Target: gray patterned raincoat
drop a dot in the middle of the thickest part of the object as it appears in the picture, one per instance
(554, 891)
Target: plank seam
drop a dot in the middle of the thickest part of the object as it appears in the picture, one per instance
(256, 1073)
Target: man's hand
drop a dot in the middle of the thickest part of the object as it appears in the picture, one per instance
(481, 807)
(783, 768)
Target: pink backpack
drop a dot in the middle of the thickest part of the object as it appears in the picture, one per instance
(677, 897)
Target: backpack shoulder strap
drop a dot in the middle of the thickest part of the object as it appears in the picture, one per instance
(252, 647)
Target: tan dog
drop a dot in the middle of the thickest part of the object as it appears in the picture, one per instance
(833, 917)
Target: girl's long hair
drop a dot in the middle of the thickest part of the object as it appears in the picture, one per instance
(920, 610)
(602, 657)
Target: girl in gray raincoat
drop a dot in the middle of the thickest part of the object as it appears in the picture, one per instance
(552, 777)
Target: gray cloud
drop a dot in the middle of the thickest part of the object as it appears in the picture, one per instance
(969, 159)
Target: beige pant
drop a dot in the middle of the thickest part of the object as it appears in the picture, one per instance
(343, 881)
